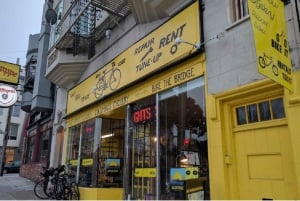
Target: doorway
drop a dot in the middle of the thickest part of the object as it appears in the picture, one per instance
(261, 144)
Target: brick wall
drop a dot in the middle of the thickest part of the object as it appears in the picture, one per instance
(32, 171)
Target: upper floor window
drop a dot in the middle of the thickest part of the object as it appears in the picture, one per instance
(13, 131)
(239, 10)
(16, 110)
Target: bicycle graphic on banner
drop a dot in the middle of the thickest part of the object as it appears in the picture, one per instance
(266, 61)
(109, 78)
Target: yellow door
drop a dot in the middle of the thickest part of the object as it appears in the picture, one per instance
(264, 163)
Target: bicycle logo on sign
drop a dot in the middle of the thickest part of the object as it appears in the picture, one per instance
(265, 61)
(109, 78)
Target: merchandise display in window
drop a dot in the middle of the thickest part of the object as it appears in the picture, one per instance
(170, 152)
(97, 153)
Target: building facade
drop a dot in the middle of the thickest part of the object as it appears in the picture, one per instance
(15, 120)
(163, 100)
(251, 119)
(38, 103)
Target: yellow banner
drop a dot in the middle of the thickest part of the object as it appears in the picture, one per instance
(270, 34)
(9, 73)
(184, 72)
(153, 52)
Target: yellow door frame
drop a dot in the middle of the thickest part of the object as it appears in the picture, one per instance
(222, 164)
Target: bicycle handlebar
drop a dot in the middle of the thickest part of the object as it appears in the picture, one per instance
(52, 171)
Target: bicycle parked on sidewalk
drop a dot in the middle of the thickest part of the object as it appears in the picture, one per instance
(56, 184)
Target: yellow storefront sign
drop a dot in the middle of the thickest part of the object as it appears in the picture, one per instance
(9, 73)
(145, 172)
(184, 72)
(73, 162)
(87, 162)
(151, 53)
(271, 42)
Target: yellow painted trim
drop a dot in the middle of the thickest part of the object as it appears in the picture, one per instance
(193, 68)
(293, 116)
(223, 177)
(294, 98)
(101, 193)
(261, 86)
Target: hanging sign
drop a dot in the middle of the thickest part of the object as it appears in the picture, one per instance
(9, 73)
(271, 42)
(8, 96)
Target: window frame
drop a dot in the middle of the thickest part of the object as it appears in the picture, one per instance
(11, 131)
(238, 10)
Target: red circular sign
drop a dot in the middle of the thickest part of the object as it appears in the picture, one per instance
(8, 96)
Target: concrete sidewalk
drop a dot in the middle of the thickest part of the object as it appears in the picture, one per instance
(15, 187)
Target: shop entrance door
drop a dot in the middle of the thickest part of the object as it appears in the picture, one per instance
(143, 161)
(263, 152)
(263, 164)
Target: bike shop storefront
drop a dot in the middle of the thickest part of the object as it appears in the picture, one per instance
(154, 146)
(137, 126)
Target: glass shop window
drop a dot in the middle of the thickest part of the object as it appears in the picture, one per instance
(111, 153)
(30, 149)
(80, 152)
(73, 149)
(143, 149)
(178, 158)
(44, 146)
(183, 142)
(95, 152)
(86, 153)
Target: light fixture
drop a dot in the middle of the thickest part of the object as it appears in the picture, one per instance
(198, 45)
(179, 41)
(181, 158)
(107, 135)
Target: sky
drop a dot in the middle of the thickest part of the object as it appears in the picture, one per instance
(18, 19)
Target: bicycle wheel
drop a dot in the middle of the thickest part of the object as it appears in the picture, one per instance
(72, 192)
(59, 190)
(75, 192)
(41, 189)
(261, 62)
(275, 70)
(100, 87)
(114, 79)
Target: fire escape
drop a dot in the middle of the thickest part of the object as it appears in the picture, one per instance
(84, 25)
(85, 22)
